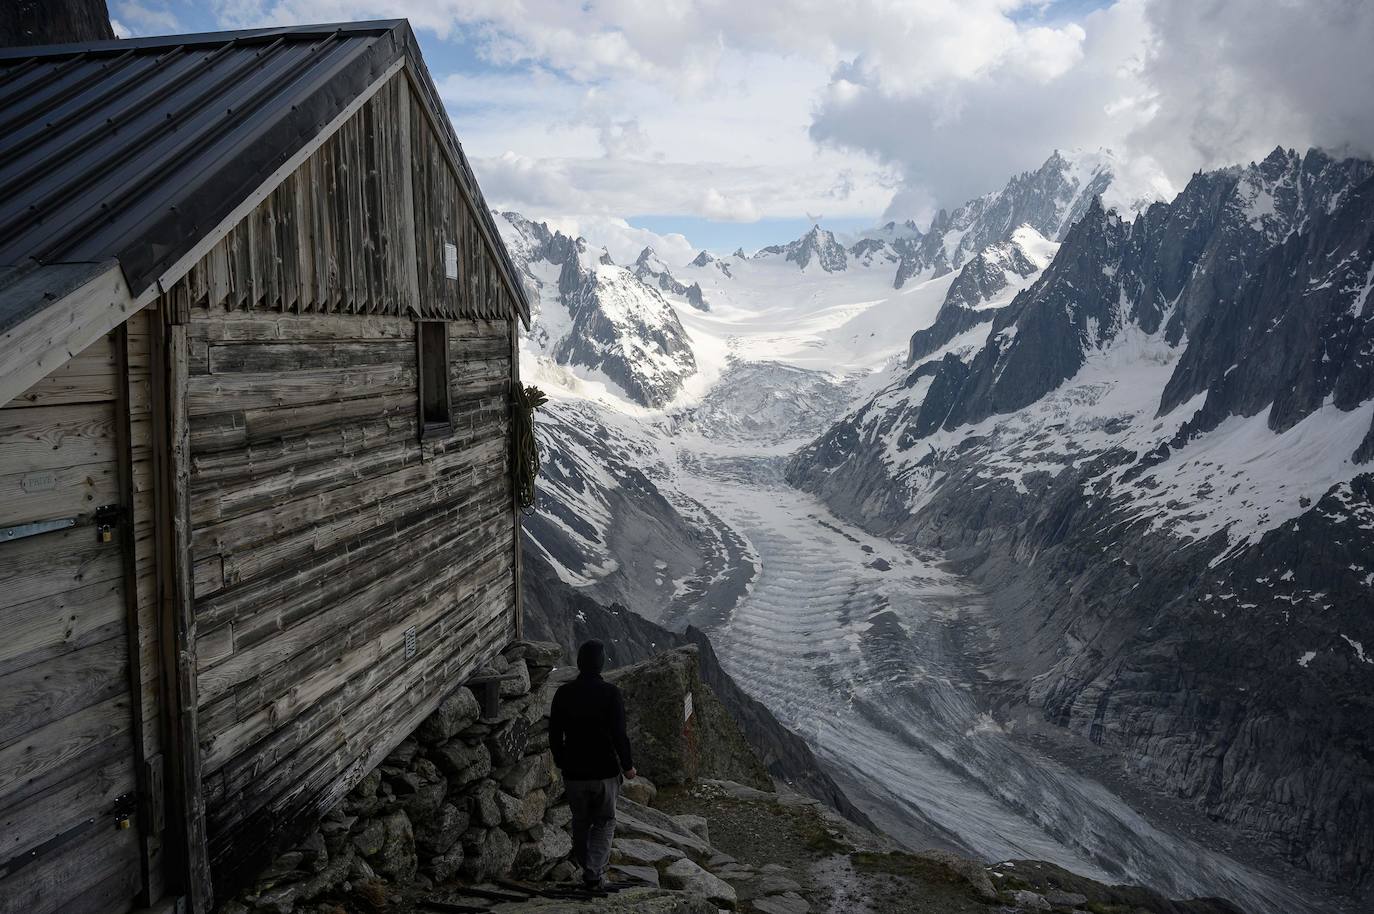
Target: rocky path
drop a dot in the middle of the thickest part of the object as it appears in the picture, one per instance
(856, 644)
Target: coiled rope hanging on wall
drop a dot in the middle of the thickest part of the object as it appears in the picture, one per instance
(527, 400)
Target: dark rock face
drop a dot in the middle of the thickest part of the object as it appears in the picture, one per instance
(1225, 659)
(33, 22)
(595, 503)
(626, 330)
(818, 246)
(981, 279)
(653, 271)
(677, 726)
(620, 324)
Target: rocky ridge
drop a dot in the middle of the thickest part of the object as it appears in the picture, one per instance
(1119, 464)
(466, 815)
(818, 245)
(649, 268)
(600, 316)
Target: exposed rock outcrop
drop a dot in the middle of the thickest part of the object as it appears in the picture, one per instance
(1152, 464)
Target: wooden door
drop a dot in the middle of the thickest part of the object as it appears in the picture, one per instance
(70, 838)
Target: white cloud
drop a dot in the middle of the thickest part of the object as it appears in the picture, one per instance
(1229, 82)
(151, 18)
(733, 110)
(622, 240)
(718, 206)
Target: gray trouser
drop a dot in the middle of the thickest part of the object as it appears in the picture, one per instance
(593, 823)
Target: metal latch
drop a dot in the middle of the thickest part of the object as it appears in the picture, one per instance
(125, 805)
(107, 518)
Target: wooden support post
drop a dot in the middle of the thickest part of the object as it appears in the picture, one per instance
(515, 491)
(149, 802)
(171, 450)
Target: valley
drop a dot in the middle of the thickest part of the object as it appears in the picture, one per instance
(979, 513)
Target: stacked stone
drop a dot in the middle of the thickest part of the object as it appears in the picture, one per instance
(465, 797)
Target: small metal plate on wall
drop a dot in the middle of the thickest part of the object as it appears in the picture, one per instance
(450, 261)
(41, 481)
(410, 642)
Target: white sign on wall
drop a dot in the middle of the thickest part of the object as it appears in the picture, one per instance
(450, 260)
(687, 707)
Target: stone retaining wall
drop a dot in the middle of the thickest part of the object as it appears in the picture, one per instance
(465, 797)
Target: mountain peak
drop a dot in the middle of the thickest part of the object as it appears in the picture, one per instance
(820, 244)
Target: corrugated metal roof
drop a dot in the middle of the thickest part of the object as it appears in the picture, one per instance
(135, 149)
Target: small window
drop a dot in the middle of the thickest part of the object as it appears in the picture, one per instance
(436, 417)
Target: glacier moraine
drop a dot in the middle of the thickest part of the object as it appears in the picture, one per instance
(859, 645)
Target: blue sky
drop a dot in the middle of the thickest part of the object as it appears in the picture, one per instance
(711, 123)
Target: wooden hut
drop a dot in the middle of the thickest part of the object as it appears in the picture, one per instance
(257, 358)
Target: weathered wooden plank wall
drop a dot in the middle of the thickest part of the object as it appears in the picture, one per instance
(360, 228)
(66, 716)
(322, 528)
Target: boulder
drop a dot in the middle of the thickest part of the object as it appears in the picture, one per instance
(516, 681)
(1060, 899)
(641, 790)
(1030, 901)
(527, 775)
(634, 820)
(492, 857)
(558, 816)
(521, 813)
(647, 853)
(462, 763)
(396, 860)
(430, 788)
(367, 786)
(697, 825)
(631, 873)
(656, 693)
(534, 653)
(331, 876)
(454, 713)
(688, 877)
(786, 903)
(482, 805)
(370, 837)
(442, 831)
(280, 899)
(445, 867)
(970, 870)
(534, 859)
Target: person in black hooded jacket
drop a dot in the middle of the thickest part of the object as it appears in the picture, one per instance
(587, 737)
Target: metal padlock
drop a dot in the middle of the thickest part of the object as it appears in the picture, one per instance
(106, 519)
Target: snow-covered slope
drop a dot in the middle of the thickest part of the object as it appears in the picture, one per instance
(1049, 200)
(1160, 453)
(1142, 429)
(609, 327)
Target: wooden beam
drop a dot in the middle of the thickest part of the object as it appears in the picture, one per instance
(171, 457)
(48, 339)
(513, 470)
